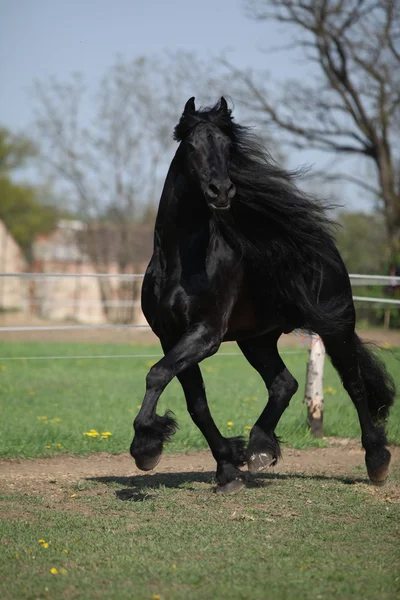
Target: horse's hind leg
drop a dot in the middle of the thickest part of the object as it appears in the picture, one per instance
(262, 353)
(363, 376)
(228, 452)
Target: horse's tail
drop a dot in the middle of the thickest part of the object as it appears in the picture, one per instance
(327, 317)
(379, 385)
(324, 317)
(337, 314)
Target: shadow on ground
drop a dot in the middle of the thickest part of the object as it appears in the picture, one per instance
(142, 487)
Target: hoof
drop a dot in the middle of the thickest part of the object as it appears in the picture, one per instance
(260, 461)
(378, 474)
(231, 488)
(147, 463)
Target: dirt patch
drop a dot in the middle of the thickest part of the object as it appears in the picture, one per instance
(53, 476)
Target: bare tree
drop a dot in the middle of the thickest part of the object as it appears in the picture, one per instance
(112, 151)
(352, 107)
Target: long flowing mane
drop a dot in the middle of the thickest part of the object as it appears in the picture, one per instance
(271, 221)
(269, 208)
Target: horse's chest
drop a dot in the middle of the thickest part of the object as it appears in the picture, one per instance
(197, 283)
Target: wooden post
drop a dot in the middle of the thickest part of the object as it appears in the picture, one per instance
(386, 322)
(314, 393)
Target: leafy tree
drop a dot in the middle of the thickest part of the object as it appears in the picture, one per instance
(22, 214)
(361, 239)
(14, 151)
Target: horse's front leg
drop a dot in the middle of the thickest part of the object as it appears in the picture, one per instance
(228, 452)
(152, 430)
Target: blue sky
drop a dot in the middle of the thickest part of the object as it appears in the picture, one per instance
(40, 38)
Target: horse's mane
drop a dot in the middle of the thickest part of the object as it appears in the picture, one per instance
(269, 212)
(284, 234)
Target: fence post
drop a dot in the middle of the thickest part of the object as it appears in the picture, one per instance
(314, 392)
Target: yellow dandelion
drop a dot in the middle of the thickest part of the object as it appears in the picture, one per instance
(48, 447)
(91, 433)
(230, 423)
(156, 596)
(42, 418)
(55, 420)
(59, 445)
(73, 495)
(41, 541)
(173, 566)
(53, 571)
(106, 433)
(139, 406)
(63, 571)
(65, 550)
(248, 427)
(45, 545)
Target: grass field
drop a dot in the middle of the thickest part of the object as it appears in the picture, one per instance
(47, 406)
(305, 534)
(293, 537)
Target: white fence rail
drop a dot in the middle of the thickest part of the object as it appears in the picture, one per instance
(364, 280)
(74, 275)
(356, 279)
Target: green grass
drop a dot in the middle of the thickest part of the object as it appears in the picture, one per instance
(168, 536)
(292, 537)
(48, 402)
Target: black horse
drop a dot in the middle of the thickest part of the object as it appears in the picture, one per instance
(240, 253)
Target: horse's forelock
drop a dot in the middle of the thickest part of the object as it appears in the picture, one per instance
(213, 115)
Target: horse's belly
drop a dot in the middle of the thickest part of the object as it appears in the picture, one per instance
(253, 316)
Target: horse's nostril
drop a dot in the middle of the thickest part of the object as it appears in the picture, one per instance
(231, 190)
(213, 189)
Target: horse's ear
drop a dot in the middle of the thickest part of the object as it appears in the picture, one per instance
(223, 106)
(189, 106)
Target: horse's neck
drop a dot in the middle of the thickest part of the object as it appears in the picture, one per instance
(182, 211)
(168, 201)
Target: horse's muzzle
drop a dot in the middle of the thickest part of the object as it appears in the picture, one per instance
(219, 206)
(219, 194)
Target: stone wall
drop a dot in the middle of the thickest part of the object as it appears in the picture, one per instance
(88, 300)
(12, 289)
